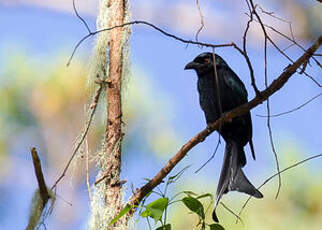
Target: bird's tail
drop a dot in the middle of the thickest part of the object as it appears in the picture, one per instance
(232, 178)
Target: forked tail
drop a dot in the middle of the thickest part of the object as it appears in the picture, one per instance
(232, 177)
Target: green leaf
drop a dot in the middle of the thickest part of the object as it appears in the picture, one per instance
(205, 195)
(143, 202)
(216, 227)
(164, 227)
(155, 209)
(146, 213)
(125, 210)
(194, 205)
(190, 193)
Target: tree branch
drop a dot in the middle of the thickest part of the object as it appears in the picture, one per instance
(276, 85)
(84, 134)
(91, 34)
(202, 23)
(271, 177)
(293, 110)
(40, 177)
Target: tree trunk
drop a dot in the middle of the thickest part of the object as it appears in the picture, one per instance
(107, 200)
(113, 135)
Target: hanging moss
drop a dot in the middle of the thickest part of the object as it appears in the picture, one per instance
(38, 212)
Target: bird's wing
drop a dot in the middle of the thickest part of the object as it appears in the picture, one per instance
(238, 95)
(237, 87)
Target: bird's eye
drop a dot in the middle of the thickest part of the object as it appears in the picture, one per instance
(206, 61)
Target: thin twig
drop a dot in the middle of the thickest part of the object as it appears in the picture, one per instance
(202, 23)
(273, 149)
(232, 44)
(289, 46)
(295, 109)
(294, 42)
(40, 177)
(269, 122)
(272, 14)
(39, 214)
(267, 38)
(250, 67)
(280, 33)
(232, 212)
(80, 18)
(217, 83)
(312, 78)
(212, 156)
(276, 174)
(93, 107)
(292, 39)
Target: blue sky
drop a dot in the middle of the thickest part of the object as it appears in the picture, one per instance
(44, 34)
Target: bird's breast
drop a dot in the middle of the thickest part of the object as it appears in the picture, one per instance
(207, 99)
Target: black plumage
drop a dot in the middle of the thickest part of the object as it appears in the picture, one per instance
(216, 96)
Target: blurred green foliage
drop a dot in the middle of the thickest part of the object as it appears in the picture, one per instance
(299, 205)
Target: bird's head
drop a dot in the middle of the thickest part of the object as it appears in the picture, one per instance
(204, 63)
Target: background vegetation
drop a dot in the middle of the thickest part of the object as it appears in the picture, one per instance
(44, 104)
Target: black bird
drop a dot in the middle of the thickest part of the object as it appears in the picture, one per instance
(218, 96)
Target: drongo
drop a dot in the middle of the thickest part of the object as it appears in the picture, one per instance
(219, 95)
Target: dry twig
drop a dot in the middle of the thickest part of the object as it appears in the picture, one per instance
(276, 174)
(295, 109)
(267, 38)
(202, 23)
(40, 177)
(84, 134)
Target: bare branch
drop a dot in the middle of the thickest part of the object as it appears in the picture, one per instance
(312, 78)
(293, 110)
(294, 42)
(40, 177)
(232, 212)
(41, 196)
(269, 122)
(80, 18)
(250, 67)
(232, 44)
(202, 23)
(79, 144)
(276, 174)
(267, 38)
(270, 132)
(212, 156)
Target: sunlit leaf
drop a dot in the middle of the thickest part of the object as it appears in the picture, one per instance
(155, 209)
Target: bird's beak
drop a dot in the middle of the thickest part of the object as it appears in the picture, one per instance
(191, 65)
